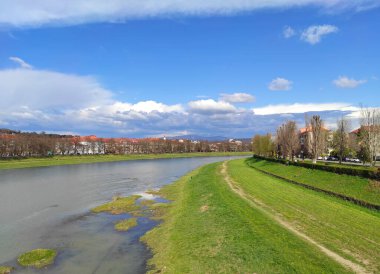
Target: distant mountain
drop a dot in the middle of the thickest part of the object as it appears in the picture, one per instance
(199, 138)
(207, 138)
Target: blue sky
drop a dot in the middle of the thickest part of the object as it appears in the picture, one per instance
(228, 68)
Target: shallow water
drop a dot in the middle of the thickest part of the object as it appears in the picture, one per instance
(49, 207)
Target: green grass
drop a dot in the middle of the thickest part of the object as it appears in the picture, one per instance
(5, 269)
(210, 229)
(119, 205)
(85, 159)
(348, 229)
(125, 225)
(38, 258)
(352, 186)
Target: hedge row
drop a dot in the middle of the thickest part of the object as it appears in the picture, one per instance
(331, 193)
(354, 171)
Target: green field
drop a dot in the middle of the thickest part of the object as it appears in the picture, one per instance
(352, 186)
(85, 159)
(210, 228)
(349, 230)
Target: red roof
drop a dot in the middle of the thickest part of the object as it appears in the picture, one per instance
(308, 129)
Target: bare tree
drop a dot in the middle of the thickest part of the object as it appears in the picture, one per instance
(287, 138)
(316, 137)
(370, 131)
(340, 141)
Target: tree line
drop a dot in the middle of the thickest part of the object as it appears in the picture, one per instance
(315, 140)
(23, 144)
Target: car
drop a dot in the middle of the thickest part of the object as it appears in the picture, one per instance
(355, 160)
(331, 158)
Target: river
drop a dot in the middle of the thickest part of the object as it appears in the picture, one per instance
(49, 207)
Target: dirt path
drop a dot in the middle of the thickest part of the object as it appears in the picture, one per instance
(269, 212)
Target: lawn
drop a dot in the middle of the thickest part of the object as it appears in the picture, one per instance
(85, 159)
(347, 229)
(210, 229)
(352, 186)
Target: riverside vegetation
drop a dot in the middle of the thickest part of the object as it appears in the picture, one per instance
(38, 258)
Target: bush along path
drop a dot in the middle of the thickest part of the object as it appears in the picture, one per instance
(348, 233)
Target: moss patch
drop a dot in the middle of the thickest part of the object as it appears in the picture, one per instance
(119, 205)
(147, 202)
(152, 192)
(5, 269)
(158, 210)
(125, 225)
(37, 258)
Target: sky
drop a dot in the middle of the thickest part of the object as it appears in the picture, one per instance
(142, 68)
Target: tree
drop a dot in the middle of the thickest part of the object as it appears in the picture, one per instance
(370, 131)
(287, 139)
(317, 136)
(262, 145)
(340, 140)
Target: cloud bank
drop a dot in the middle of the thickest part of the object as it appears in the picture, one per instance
(41, 100)
(26, 13)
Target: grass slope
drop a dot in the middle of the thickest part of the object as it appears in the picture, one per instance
(351, 231)
(210, 229)
(352, 186)
(85, 159)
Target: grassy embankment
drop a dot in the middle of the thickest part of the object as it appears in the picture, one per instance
(349, 230)
(210, 229)
(352, 186)
(85, 159)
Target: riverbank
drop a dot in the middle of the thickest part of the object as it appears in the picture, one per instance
(87, 159)
(232, 218)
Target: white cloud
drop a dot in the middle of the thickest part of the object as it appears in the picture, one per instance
(40, 12)
(237, 98)
(40, 89)
(302, 108)
(149, 106)
(39, 100)
(211, 106)
(345, 82)
(280, 84)
(314, 34)
(21, 62)
(288, 32)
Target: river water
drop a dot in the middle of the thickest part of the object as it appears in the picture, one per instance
(49, 207)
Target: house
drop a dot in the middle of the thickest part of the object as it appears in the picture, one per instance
(305, 136)
(356, 133)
